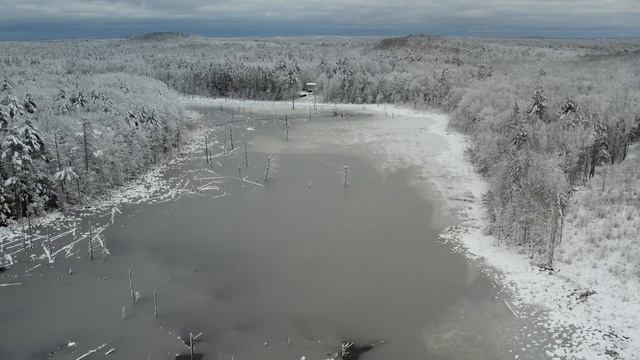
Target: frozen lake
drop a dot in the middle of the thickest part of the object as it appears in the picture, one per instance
(279, 270)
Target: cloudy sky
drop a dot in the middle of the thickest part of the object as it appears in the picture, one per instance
(45, 19)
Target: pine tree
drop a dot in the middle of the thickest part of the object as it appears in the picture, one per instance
(569, 106)
(21, 145)
(65, 175)
(516, 128)
(444, 87)
(10, 108)
(538, 106)
(5, 201)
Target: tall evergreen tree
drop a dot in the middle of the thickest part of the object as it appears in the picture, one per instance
(538, 105)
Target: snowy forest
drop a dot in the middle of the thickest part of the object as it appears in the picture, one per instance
(80, 117)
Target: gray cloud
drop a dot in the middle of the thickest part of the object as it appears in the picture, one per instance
(609, 16)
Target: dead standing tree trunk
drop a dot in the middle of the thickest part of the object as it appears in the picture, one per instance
(85, 122)
(191, 345)
(346, 175)
(556, 233)
(155, 303)
(178, 139)
(131, 289)
(90, 242)
(56, 142)
(246, 156)
(266, 174)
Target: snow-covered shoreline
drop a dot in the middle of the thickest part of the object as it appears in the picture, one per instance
(149, 187)
(606, 325)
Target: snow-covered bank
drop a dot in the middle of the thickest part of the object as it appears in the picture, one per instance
(18, 240)
(605, 325)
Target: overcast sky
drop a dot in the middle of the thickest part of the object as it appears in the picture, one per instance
(37, 19)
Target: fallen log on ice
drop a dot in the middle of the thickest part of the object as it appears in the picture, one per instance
(91, 352)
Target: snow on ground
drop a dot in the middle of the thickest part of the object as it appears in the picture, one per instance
(605, 325)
